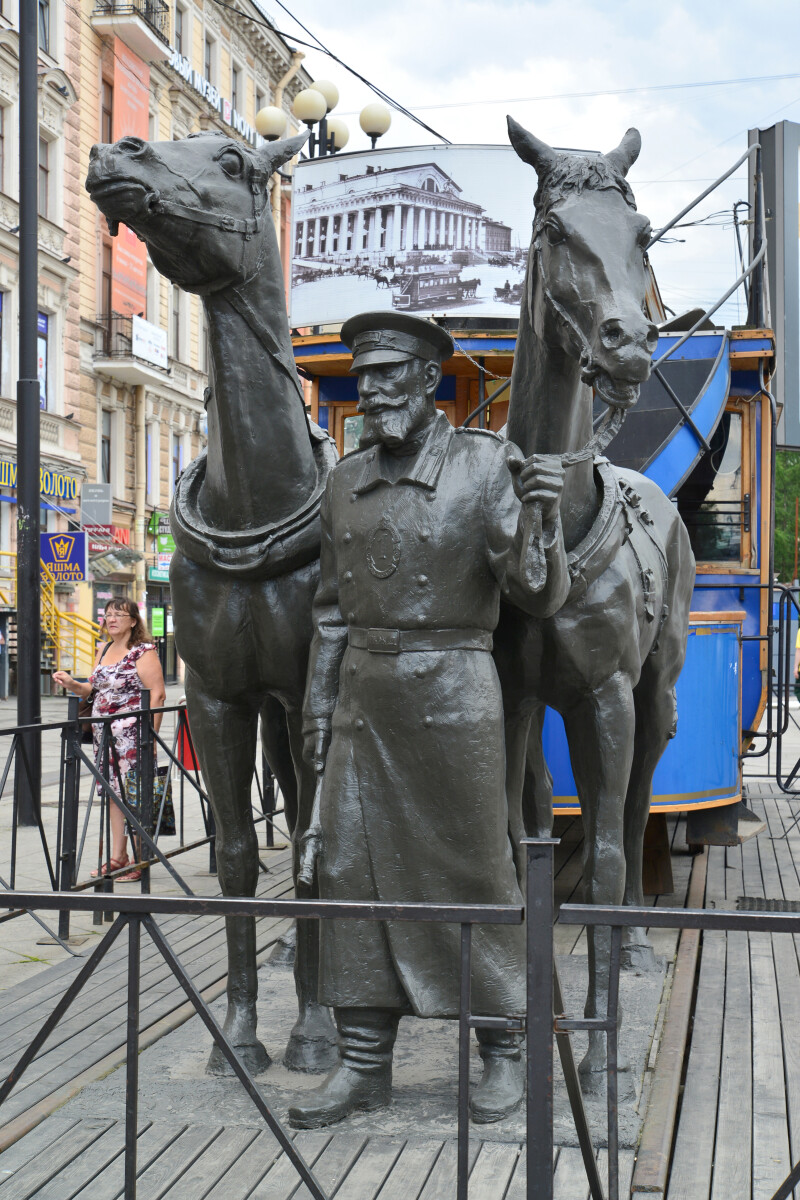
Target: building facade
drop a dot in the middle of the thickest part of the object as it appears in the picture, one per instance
(123, 355)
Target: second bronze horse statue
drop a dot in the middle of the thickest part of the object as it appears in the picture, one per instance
(245, 519)
(608, 661)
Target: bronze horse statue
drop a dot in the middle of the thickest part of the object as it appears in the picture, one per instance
(608, 661)
(245, 518)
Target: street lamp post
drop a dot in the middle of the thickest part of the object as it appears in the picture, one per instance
(28, 784)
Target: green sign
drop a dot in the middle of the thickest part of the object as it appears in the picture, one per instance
(157, 622)
(158, 574)
(165, 543)
(159, 523)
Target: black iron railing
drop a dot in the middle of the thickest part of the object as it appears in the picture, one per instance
(154, 12)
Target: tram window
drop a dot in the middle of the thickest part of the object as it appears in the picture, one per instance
(353, 428)
(710, 501)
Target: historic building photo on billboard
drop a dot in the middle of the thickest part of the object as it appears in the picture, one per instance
(423, 229)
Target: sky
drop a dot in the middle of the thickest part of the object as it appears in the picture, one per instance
(461, 66)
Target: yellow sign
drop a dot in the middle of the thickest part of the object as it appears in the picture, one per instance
(51, 483)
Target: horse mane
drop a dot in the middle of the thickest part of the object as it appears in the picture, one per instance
(575, 173)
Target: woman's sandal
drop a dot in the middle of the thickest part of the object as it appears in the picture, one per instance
(131, 877)
(115, 864)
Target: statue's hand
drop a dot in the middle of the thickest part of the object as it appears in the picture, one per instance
(310, 849)
(316, 741)
(539, 480)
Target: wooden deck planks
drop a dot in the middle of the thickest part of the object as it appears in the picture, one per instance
(371, 1170)
(493, 1170)
(223, 1153)
(412, 1169)
(770, 1125)
(158, 1179)
(150, 1145)
(40, 1169)
(249, 1169)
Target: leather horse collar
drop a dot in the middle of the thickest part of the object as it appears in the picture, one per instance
(608, 533)
(250, 554)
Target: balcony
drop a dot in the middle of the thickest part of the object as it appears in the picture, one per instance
(143, 25)
(130, 350)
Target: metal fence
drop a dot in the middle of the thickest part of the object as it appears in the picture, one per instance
(97, 764)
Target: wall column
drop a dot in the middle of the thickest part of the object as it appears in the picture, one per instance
(397, 228)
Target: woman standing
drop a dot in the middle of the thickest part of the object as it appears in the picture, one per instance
(124, 666)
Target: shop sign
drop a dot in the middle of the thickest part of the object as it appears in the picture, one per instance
(148, 342)
(51, 483)
(65, 555)
(158, 574)
(157, 622)
(99, 537)
(181, 64)
(96, 504)
(165, 543)
(159, 523)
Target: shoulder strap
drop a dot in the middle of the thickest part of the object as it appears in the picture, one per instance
(105, 648)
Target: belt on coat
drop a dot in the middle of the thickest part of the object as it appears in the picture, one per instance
(399, 641)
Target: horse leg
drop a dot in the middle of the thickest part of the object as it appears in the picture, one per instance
(313, 1044)
(600, 732)
(537, 793)
(225, 737)
(656, 720)
(277, 751)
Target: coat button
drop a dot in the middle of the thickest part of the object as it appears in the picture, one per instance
(422, 580)
(348, 576)
(351, 616)
(424, 534)
(419, 672)
(352, 668)
(359, 723)
(427, 722)
(348, 537)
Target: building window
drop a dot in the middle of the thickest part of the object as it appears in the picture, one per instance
(107, 113)
(179, 33)
(105, 284)
(44, 177)
(259, 100)
(44, 26)
(176, 322)
(298, 239)
(336, 226)
(177, 460)
(42, 331)
(323, 235)
(236, 88)
(365, 234)
(149, 464)
(105, 447)
(208, 60)
(351, 231)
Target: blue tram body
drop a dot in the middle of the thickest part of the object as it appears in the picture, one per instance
(723, 496)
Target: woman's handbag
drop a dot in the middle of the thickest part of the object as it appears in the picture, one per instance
(167, 827)
(84, 716)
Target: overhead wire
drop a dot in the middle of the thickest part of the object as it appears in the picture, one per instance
(318, 46)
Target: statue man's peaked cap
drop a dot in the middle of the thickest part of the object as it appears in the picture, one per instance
(387, 337)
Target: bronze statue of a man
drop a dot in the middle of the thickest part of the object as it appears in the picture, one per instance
(424, 529)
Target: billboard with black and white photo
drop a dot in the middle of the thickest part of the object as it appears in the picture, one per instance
(424, 229)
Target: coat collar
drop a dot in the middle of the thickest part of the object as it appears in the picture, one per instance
(424, 470)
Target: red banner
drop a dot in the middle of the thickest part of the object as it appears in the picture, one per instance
(131, 116)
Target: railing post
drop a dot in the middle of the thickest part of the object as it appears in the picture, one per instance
(268, 798)
(539, 1017)
(71, 737)
(146, 775)
(132, 1056)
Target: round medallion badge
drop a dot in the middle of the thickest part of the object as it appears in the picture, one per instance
(383, 550)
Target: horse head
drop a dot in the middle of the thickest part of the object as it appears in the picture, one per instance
(199, 203)
(589, 252)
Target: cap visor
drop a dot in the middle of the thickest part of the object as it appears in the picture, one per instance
(370, 358)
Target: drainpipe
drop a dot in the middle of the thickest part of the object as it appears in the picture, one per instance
(139, 493)
(277, 100)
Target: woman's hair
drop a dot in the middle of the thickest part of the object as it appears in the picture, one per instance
(139, 631)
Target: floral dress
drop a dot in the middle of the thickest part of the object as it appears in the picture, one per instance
(118, 689)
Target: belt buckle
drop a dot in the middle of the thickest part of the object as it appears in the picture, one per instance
(383, 641)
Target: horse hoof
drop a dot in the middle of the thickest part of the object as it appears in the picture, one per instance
(311, 1056)
(253, 1057)
(283, 953)
(638, 954)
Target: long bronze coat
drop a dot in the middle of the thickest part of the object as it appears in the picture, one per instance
(413, 804)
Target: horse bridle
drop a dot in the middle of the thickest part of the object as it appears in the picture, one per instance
(611, 421)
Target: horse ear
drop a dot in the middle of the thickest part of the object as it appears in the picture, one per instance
(626, 153)
(538, 154)
(275, 154)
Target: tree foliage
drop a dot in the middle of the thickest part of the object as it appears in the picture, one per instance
(787, 489)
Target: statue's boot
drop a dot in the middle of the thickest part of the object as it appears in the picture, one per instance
(502, 1087)
(362, 1082)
